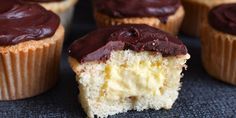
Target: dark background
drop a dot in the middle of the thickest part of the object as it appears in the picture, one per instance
(200, 96)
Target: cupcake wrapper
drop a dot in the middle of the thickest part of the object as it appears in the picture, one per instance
(218, 54)
(172, 26)
(65, 9)
(195, 14)
(26, 73)
(66, 18)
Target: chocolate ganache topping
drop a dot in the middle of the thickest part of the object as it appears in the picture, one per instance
(223, 18)
(22, 22)
(138, 8)
(98, 45)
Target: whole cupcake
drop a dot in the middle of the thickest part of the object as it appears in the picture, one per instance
(218, 39)
(195, 12)
(127, 67)
(63, 8)
(164, 14)
(31, 40)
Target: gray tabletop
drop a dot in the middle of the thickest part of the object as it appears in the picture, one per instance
(200, 96)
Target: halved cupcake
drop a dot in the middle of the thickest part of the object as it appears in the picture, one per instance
(164, 14)
(127, 67)
(63, 8)
(218, 41)
(31, 40)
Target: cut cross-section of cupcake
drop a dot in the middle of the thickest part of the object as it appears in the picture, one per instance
(163, 14)
(31, 40)
(127, 67)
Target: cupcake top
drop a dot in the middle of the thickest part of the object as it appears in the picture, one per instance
(22, 22)
(223, 18)
(98, 45)
(138, 8)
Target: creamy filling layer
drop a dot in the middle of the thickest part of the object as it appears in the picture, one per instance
(128, 74)
(133, 79)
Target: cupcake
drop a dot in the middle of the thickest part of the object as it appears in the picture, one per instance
(196, 12)
(218, 39)
(127, 67)
(164, 14)
(63, 8)
(31, 40)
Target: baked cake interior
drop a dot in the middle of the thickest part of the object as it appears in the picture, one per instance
(129, 80)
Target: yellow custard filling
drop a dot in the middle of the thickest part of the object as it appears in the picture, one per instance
(139, 78)
(129, 74)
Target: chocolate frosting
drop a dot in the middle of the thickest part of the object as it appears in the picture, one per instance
(138, 8)
(223, 18)
(22, 22)
(98, 45)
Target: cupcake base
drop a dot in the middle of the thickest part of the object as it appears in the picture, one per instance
(30, 68)
(65, 9)
(218, 54)
(66, 18)
(172, 26)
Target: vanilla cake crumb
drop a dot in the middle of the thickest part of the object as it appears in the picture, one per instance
(129, 80)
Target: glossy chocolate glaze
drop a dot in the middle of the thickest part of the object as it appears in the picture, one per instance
(98, 45)
(138, 8)
(22, 22)
(223, 18)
